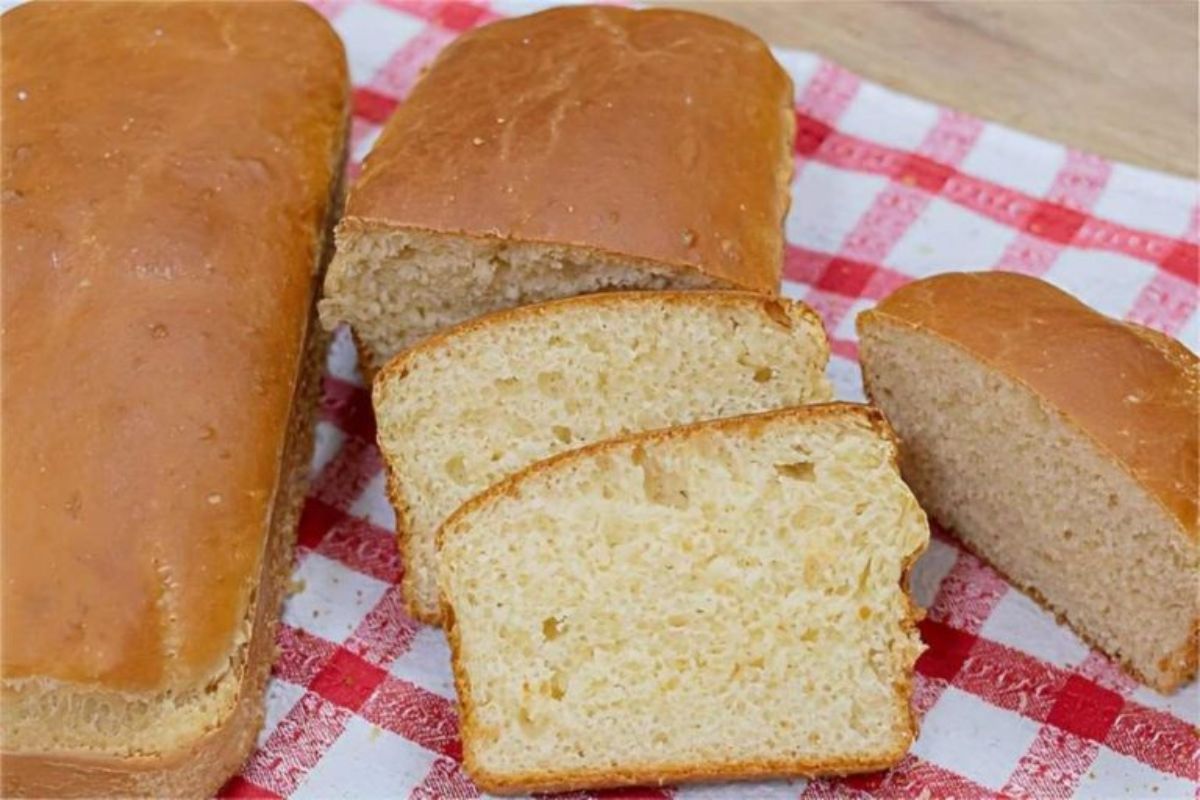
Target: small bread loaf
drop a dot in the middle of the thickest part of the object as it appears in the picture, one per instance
(464, 409)
(1060, 445)
(170, 177)
(571, 151)
(719, 601)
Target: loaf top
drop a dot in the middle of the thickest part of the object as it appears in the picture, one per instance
(167, 172)
(1132, 390)
(654, 135)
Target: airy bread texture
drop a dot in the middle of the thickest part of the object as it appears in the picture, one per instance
(724, 600)
(396, 288)
(1060, 445)
(466, 408)
(570, 151)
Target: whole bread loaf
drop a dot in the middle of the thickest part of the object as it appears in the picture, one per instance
(1060, 445)
(170, 173)
(571, 151)
(719, 601)
(482, 400)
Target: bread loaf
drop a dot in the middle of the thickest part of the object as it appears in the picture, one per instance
(1060, 445)
(720, 601)
(571, 151)
(169, 175)
(466, 408)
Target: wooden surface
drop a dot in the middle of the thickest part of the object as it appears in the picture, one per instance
(1117, 77)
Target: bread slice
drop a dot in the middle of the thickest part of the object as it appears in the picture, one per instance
(724, 600)
(1060, 445)
(462, 410)
(570, 151)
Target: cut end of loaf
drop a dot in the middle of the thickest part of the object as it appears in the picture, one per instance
(471, 406)
(396, 286)
(720, 601)
(1032, 494)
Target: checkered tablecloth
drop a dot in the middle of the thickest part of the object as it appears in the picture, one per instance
(887, 189)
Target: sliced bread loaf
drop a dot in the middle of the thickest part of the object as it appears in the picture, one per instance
(464, 409)
(1060, 445)
(724, 600)
(570, 151)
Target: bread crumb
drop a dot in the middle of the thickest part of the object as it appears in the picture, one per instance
(297, 585)
(214, 499)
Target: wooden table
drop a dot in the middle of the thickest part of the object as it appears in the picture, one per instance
(1117, 77)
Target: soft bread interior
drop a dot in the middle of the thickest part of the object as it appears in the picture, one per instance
(395, 287)
(460, 414)
(1030, 493)
(719, 601)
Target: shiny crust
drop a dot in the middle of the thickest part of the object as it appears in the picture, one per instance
(160, 261)
(158, 264)
(1080, 362)
(637, 775)
(200, 768)
(398, 366)
(651, 136)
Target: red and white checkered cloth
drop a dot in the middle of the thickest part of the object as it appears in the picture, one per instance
(887, 189)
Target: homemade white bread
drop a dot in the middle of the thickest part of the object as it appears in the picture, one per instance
(1060, 445)
(170, 175)
(724, 600)
(464, 409)
(570, 151)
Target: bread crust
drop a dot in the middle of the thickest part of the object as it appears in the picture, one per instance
(200, 768)
(973, 313)
(609, 131)
(1087, 377)
(199, 765)
(650, 774)
(773, 307)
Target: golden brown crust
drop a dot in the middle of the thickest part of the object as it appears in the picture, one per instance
(654, 135)
(1133, 392)
(182, 236)
(773, 307)
(652, 774)
(199, 769)
(220, 217)
(408, 588)
(656, 775)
